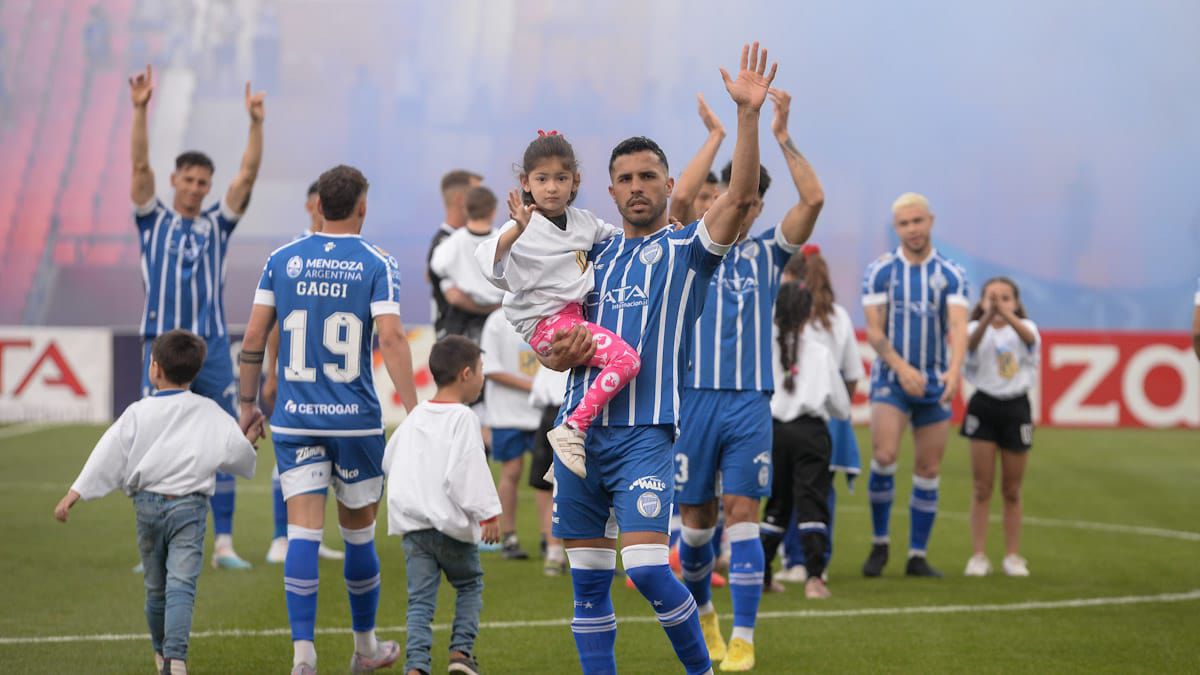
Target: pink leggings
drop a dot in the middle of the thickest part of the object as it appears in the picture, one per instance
(619, 363)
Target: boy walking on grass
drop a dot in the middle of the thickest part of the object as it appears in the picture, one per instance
(164, 452)
(441, 498)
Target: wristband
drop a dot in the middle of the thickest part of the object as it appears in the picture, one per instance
(247, 399)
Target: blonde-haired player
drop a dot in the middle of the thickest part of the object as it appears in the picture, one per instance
(915, 301)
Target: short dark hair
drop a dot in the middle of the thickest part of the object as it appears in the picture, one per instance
(340, 189)
(449, 356)
(312, 189)
(636, 144)
(180, 354)
(711, 178)
(458, 178)
(764, 178)
(481, 203)
(194, 158)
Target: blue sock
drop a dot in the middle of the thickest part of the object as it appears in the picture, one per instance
(361, 570)
(595, 622)
(829, 532)
(646, 565)
(300, 580)
(280, 509)
(745, 577)
(792, 548)
(881, 490)
(222, 503)
(696, 558)
(922, 509)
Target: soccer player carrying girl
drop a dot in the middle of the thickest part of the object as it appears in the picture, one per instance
(540, 258)
(1002, 362)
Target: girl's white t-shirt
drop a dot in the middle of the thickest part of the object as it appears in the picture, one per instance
(547, 268)
(1003, 366)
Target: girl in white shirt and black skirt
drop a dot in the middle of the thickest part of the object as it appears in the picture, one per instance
(1002, 361)
(809, 391)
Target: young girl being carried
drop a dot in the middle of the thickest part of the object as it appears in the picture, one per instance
(1002, 362)
(540, 259)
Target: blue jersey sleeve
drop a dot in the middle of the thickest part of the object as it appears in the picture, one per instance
(225, 217)
(146, 215)
(781, 248)
(875, 281)
(957, 288)
(264, 294)
(385, 285)
(701, 252)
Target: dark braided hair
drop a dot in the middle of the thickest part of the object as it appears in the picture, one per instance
(792, 309)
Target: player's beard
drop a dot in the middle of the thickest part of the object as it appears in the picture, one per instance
(648, 217)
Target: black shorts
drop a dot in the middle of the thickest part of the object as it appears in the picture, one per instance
(543, 455)
(1006, 422)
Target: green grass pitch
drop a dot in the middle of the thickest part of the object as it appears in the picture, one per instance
(66, 587)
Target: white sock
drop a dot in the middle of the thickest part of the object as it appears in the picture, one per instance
(304, 651)
(743, 632)
(223, 542)
(556, 553)
(178, 667)
(706, 608)
(365, 642)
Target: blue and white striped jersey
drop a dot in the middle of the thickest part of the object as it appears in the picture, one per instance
(650, 291)
(917, 296)
(183, 268)
(732, 346)
(326, 290)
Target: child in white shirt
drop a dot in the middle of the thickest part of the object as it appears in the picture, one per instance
(540, 258)
(441, 498)
(164, 452)
(1002, 362)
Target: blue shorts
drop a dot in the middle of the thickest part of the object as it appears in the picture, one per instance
(630, 476)
(845, 447)
(725, 432)
(510, 444)
(216, 379)
(923, 410)
(353, 465)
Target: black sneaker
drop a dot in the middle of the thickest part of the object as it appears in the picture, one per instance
(875, 563)
(512, 550)
(918, 566)
(463, 664)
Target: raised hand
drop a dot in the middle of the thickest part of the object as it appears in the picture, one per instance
(753, 80)
(254, 103)
(783, 104)
(141, 86)
(518, 210)
(710, 119)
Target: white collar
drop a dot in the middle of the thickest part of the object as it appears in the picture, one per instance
(901, 256)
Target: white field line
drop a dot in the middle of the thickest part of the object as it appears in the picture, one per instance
(23, 429)
(1161, 598)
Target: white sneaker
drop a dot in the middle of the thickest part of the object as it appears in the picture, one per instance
(1015, 566)
(793, 575)
(327, 553)
(568, 447)
(277, 552)
(978, 566)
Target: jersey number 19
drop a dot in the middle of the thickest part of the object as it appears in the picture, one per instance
(342, 335)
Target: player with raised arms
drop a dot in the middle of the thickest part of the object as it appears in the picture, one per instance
(915, 301)
(183, 248)
(725, 425)
(650, 283)
(333, 291)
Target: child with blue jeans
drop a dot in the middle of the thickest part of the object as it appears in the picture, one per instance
(164, 452)
(442, 500)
